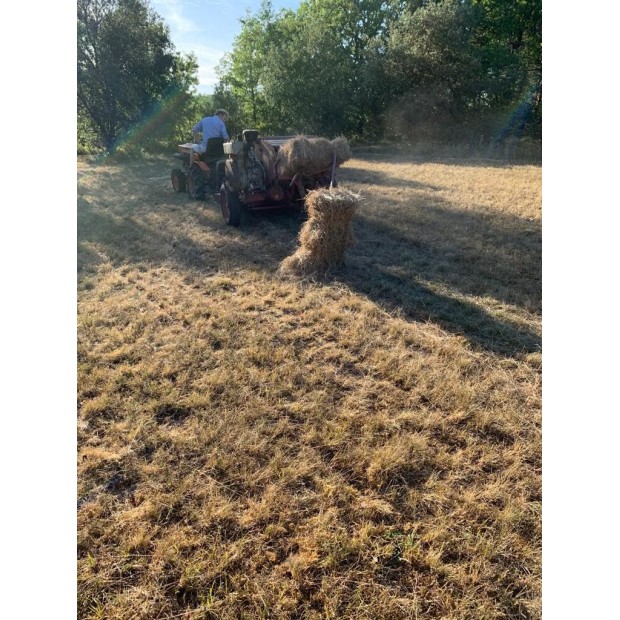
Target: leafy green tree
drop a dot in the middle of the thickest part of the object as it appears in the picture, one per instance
(433, 62)
(127, 67)
(473, 63)
(510, 35)
(243, 70)
(358, 32)
(315, 70)
(515, 24)
(361, 67)
(305, 84)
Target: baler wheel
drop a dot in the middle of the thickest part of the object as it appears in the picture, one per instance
(230, 205)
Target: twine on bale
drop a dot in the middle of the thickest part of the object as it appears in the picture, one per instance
(326, 235)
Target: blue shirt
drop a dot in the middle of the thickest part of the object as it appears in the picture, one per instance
(211, 127)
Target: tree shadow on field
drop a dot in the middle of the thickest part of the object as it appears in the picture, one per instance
(106, 237)
(476, 251)
(474, 156)
(416, 254)
(125, 240)
(364, 176)
(423, 256)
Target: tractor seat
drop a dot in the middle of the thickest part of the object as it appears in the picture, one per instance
(215, 149)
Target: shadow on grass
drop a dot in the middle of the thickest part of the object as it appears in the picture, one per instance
(422, 261)
(425, 262)
(488, 155)
(418, 302)
(427, 259)
(363, 176)
(475, 251)
(125, 240)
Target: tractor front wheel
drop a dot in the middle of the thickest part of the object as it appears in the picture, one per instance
(196, 185)
(178, 180)
(230, 205)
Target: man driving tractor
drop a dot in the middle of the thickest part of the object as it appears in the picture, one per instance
(210, 127)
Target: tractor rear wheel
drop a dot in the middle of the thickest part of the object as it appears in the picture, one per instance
(230, 205)
(178, 180)
(196, 184)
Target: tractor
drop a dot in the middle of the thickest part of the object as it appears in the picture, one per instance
(247, 174)
(197, 175)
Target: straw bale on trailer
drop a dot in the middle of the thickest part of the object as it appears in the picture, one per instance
(326, 235)
(342, 149)
(293, 155)
(311, 156)
(267, 155)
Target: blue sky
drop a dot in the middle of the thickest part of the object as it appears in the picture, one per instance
(208, 28)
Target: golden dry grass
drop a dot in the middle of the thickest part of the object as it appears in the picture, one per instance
(362, 446)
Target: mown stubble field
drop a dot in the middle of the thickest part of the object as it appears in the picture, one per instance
(364, 446)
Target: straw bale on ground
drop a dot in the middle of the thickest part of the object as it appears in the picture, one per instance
(326, 234)
(311, 156)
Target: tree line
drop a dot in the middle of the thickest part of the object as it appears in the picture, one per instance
(371, 70)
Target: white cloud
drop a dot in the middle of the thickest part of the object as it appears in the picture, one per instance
(181, 24)
(172, 13)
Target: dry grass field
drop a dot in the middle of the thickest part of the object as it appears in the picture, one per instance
(366, 446)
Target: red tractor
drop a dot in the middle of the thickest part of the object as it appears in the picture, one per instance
(248, 174)
(197, 176)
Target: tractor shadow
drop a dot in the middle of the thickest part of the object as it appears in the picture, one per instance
(421, 284)
(475, 273)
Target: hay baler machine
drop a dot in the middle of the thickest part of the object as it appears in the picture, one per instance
(265, 173)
